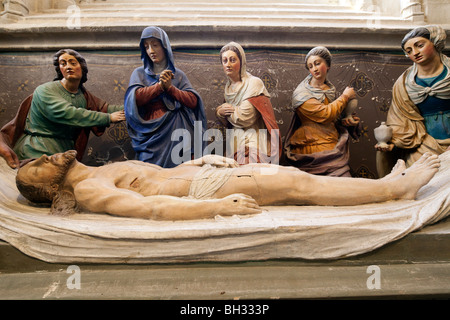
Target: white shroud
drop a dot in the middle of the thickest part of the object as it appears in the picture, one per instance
(306, 232)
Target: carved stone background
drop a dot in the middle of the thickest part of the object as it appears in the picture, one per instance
(372, 74)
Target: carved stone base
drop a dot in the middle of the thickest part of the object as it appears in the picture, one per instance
(416, 266)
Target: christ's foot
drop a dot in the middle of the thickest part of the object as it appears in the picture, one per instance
(416, 176)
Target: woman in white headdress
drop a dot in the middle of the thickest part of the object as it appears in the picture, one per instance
(420, 111)
(247, 110)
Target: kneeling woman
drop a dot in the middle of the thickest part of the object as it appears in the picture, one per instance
(248, 111)
(317, 140)
(159, 100)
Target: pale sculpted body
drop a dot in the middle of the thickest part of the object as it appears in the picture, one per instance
(137, 189)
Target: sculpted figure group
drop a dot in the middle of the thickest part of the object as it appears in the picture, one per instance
(50, 132)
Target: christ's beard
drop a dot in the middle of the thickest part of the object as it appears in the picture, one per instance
(69, 158)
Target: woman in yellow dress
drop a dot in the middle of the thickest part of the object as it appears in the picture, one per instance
(317, 139)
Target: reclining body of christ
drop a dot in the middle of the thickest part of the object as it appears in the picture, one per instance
(194, 190)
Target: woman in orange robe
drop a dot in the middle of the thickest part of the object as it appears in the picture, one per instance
(316, 141)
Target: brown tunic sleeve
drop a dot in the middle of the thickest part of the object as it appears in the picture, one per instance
(146, 94)
(186, 98)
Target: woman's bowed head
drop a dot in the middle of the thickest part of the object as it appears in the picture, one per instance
(157, 55)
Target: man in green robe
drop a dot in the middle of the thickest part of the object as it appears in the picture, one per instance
(58, 116)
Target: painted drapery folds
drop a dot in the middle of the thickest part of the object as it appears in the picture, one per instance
(372, 75)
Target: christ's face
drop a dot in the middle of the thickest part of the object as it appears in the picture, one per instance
(48, 168)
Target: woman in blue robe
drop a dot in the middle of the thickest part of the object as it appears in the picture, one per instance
(159, 100)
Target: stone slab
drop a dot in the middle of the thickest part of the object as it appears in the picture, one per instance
(268, 280)
(415, 266)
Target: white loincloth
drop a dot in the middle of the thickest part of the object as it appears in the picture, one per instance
(208, 180)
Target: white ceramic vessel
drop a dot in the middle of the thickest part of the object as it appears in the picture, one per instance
(350, 108)
(383, 134)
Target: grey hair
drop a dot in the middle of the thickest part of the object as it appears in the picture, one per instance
(322, 52)
(415, 33)
(436, 34)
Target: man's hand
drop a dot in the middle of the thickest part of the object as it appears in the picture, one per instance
(238, 204)
(214, 160)
(118, 116)
(9, 155)
(219, 161)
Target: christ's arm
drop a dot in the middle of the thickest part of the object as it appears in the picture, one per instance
(99, 195)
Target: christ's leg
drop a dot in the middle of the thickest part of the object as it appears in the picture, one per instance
(292, 186)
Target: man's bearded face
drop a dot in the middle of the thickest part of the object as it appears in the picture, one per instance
(47, 172)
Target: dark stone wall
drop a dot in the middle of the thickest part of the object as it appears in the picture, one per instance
(371, 73)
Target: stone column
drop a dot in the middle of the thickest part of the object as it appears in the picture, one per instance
(412, 10)
(437, 12)
(13, 11)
